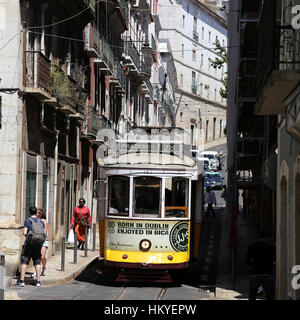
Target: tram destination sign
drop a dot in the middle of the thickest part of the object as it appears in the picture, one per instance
(164, 236)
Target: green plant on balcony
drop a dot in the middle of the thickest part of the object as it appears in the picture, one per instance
(59, 83)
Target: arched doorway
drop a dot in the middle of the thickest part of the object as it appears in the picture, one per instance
(282, 256)
(297, 228)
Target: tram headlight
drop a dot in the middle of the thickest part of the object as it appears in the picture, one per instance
(145, 245)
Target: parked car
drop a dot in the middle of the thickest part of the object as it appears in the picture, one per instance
(213, 180)
(213, 157)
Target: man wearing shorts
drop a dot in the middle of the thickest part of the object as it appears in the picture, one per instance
(30, 251)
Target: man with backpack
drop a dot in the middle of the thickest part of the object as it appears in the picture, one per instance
(34, 231)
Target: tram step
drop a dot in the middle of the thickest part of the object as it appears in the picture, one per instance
(154, 276)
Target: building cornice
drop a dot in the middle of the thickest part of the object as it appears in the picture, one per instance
(203, 6)
(200, 99)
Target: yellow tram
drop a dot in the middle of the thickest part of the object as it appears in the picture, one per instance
(150, 205)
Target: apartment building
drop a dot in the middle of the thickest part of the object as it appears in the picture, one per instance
(67, 71)
(192, 28)
(264, 135)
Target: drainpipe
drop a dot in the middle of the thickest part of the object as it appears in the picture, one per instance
(55, 192)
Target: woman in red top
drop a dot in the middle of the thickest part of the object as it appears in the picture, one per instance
(81, 212)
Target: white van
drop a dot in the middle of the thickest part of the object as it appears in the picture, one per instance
(213, 157)
(205, 162)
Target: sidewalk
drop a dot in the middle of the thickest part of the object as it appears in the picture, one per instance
(246, 234)
(54, 275)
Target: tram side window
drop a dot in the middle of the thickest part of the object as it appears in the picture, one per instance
(118, 203)
(176, 197)
(147, 192)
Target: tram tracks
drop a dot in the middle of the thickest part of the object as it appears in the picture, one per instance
(121, 293)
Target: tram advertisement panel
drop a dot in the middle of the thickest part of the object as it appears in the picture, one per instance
(164, 236)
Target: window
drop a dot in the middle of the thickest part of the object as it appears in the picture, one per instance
(31, 183)
(181, 80)
(209, 37)
(30, 191)
(182, 50)
(206, 130)
(194, 54)
(215, 94)
(195, 24)
(201, 62)
(221, 126)
(183, 21)
(214, 129)
(202, 33)
(193, 77)
(176, 197)
(118, 196)
(146, 196)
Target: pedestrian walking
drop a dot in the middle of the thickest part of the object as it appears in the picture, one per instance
(210, 199)
(80, 221)
(224, 194)
(34, 232)
(261, 256)
(41, 215)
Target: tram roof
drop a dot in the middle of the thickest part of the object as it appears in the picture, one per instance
(150, 160)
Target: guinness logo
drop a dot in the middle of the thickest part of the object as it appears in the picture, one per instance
(179, 236)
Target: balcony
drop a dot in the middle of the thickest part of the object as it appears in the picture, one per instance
(149, 94)
(88, 8)
(92, 41)
(131, 57)
(37, 77)
(292, 104)
(118, 80)
(145, 68)
(93, 124)
(279, 67)
(66, 94)
(194, 89)
(122, 11)
(195, 36)
(106, 60)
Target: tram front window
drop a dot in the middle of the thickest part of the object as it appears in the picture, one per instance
(176, 197)
(147, 197)
(118, 196)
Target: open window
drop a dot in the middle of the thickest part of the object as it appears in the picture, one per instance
(118, 195)
(176, 197)
(146, 192)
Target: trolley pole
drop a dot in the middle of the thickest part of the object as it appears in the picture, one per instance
(63, 253)
(2, 276)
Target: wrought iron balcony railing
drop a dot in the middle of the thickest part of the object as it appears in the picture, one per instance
(194, 89)
(196, 36)
(119, 76)
(131, 51)
(38, 71)
(106, 54)
(150, 89)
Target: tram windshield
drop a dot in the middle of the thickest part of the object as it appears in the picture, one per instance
(118, 195)
(176, 197)
(147, 197)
